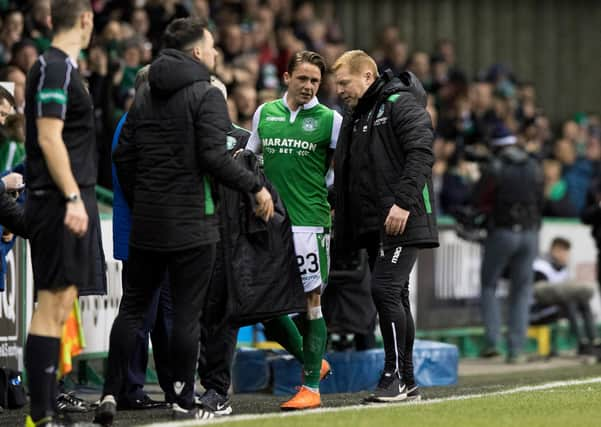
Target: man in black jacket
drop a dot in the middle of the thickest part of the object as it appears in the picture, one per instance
(510, 192)
(383, 170)
(172, 145)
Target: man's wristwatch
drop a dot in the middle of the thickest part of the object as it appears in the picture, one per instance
(72, 198)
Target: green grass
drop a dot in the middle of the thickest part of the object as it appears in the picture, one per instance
(562, 406)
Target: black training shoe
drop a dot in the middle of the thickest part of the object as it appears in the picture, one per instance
(215, 402)
(68, 402)
(179, 413)
(390, 389)
(106, 411)
(145, 403)
(489, 352)
(413, 393)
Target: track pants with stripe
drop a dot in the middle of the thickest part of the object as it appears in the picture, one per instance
(390, 291)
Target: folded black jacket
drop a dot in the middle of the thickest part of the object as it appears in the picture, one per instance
(259, 261)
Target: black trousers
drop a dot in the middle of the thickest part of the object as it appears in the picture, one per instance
(157, 324)
(189, 276)
(390, 270)
(218, 346)
(218, 338)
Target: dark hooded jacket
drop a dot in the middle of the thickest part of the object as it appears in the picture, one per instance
(511, 190)
(384, 157)
(172, 145)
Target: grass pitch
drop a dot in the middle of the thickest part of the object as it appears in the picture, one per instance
(561, 406)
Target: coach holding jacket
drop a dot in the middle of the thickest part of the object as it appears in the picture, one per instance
(172, 145)
(383, 183)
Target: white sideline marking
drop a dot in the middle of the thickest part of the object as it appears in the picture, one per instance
(248, 417)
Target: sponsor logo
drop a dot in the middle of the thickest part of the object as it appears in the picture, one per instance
(178, 387)
(275, 119)
(289, 143)
(52, 95)
(380, 112)
(309, 124)
(230, 142)
(381, 121)
(397, 254)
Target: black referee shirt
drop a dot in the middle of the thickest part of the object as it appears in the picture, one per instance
(56, 89)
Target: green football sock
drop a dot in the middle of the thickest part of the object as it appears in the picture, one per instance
(283, 330)
(314, 348)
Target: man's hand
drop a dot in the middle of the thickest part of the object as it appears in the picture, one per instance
(396, 221)
(13, 181)
(264, 204)
(76, 218)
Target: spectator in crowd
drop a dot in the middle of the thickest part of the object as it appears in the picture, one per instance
(7, 103)
(245, 96)
(24, 55)
(557, 202)
(458, 182)
(12, 149)
(578, 170)
(37, 24)
(386, 39)
(419, 64)
(395, 58)
(445, 49)
(140, 22)
(527, 109)
(553, 286)
(123, 80)
(18, 77)
(231, 42)
(10, 34)
(510, 192)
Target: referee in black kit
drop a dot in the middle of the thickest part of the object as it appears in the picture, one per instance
(61, 208)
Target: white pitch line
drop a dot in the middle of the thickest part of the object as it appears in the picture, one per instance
(249, 417)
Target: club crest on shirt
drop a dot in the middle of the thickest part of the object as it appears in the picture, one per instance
(309, 124)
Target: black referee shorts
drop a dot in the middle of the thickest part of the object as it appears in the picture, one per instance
(58, 257)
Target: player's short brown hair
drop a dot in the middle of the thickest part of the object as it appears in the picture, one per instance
(306, 56)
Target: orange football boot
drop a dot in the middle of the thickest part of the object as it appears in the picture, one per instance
(304, 399)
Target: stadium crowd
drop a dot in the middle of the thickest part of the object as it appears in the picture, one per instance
(255, 40)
